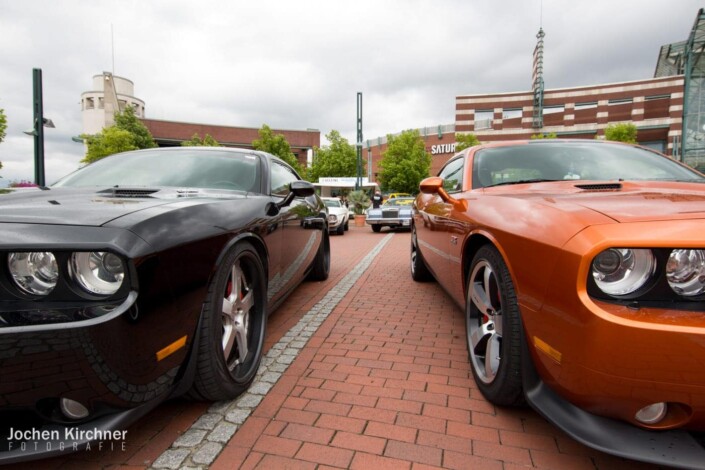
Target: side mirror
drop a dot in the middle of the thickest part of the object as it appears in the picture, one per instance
(302, 188)
(434, 185)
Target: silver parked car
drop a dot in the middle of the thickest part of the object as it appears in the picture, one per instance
(395, 213)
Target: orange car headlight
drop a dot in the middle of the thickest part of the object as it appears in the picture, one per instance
(622, 271)
(685, 272)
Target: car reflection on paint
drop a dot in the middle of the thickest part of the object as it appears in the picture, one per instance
(581, 269)
(144, 276)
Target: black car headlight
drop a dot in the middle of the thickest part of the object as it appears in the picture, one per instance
(97, 272)
(35, 272)
(621, 271)
(685, 272)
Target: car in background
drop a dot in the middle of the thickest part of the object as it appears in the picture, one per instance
(396, 195)
(580, 265)
(394, 213)
(338, 215)
(143, 276)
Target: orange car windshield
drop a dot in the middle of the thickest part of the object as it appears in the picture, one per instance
(557, 161)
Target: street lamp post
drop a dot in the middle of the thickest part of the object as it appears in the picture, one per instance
(40, 122)
(358, 146)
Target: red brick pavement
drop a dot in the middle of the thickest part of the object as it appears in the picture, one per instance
(384, 383)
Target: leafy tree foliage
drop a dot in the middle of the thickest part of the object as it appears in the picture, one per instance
(196, 141)
(621, 132)
(109, 141)
(547, 135)
(338, 159)
(405, 162)
(276, 145)
(360, 201)
(3, 127)
(128, 133)
(466, 141)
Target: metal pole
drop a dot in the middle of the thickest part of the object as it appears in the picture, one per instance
(38, 128)
(358, 181)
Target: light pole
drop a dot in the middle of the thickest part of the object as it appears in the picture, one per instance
(40, 122)
(358, 146)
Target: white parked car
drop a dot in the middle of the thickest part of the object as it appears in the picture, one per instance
(338, 215)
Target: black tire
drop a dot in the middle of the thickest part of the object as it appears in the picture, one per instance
(419, 270)
(233, 325)
(346, 224)
(321, 264)
(341, 230)
(494, 329)
(376, 228)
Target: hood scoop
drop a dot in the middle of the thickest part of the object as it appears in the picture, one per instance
(600, 187)
(128, 192)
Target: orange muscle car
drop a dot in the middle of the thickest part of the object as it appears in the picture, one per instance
(581, 268)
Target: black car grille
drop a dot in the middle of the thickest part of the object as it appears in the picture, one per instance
(599, 187)
(126, 192)
(390, 214)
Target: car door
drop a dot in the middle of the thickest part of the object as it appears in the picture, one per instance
(438, 234)
(298, 239)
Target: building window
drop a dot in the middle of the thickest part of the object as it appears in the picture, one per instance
(512, 113)
(483, 119)
(553, 109)
(90, 103)
(100, 103)
(620, 101)
(581, 106)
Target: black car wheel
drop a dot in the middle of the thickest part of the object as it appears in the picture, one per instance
(232, 327)
(341, 230)
(493, 326)
(376, 228)
(321, 264)
(346, 224)
(419, 270)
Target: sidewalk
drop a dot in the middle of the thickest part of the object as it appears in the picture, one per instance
(366, 370)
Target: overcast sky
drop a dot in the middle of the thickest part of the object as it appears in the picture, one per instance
(299, 64)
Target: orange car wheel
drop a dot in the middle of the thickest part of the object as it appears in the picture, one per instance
(493, 327)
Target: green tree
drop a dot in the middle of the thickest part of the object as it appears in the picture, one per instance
(276, 145)
(621, 132)
(547, 135)
(109, 141)
(128, 120)
(128, 133)
(465, 141)
(196, 141)
(3, 127)
(405, 162)
(338, 159)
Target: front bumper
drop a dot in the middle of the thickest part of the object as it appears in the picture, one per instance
(107, 364)
(404, 222)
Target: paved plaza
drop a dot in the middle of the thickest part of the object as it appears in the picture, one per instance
(366, 370)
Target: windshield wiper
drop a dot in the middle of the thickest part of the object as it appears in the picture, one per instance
(535, 180)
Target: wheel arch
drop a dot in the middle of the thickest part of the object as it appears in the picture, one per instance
(473, 243)
(256, 242)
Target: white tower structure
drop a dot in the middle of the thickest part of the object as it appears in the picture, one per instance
(110, 94)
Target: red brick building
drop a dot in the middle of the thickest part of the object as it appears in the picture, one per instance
(171, 133)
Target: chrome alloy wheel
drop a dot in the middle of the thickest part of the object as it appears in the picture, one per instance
(237, 303)
(484, 322)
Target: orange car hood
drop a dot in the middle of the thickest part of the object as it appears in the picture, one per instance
(633, 202)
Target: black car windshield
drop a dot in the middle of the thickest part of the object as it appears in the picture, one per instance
(209, 169)
(557, 161)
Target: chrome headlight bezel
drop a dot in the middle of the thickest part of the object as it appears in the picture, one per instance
(34, 273)
(623, 272)
(99, 273)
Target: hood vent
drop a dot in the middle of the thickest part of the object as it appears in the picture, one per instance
(599, 187)
(128, 192)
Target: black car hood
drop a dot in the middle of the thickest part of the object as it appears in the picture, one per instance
(93, 206)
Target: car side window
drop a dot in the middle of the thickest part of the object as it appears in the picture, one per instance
(452, 175)
(280, 178)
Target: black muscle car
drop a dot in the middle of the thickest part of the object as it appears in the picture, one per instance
(143, 276)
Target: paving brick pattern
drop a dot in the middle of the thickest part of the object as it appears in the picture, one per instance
(381, 380)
